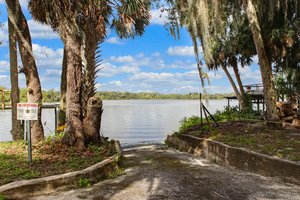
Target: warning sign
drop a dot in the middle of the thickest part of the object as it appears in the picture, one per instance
(27, 111)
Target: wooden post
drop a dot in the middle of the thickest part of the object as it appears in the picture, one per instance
(201, 109)
(55, 115)
(3, 99)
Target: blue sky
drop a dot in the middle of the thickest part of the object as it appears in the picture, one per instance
(155, 62)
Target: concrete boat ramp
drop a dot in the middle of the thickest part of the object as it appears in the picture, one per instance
(158, 172)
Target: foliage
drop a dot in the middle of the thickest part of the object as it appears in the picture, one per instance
(287, 82)
(188, 122)
(2, 197)
(233, 113)
(84, 183)
(54, 96)
(118, 172)
(229, 114)
(154, 95)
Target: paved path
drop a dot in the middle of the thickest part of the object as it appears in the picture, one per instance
(156, 172)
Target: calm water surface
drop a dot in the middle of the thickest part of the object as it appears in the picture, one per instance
(131, 121)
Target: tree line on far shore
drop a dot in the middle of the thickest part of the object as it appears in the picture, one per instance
(54, 96)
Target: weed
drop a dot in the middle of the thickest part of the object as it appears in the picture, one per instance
(84, 183)
(119, 171)
(2, 197)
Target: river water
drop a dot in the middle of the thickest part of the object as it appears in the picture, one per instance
(131, 121)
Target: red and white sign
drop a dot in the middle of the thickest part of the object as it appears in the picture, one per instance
(27, 111)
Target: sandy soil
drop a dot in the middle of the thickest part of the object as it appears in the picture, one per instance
(157, 172)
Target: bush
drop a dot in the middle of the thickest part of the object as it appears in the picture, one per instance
(233, 113)
(229, 114)
(188, 122)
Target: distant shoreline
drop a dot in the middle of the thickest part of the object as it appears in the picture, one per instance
(50, 96)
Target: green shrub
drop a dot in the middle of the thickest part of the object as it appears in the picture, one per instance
(229, 114)
(188, 122)
(233, 113)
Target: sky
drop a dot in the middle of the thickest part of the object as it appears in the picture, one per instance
(154, 62)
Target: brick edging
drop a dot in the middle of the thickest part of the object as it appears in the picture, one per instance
(240, 158)
(46, 185)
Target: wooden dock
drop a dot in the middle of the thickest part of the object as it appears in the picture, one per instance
(256, 94)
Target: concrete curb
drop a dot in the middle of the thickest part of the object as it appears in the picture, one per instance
(47, 185)
(240, 158)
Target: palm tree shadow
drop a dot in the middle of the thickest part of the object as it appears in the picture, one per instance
(160, 174)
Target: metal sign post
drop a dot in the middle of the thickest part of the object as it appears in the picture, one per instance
(29, 142)
(28, 112)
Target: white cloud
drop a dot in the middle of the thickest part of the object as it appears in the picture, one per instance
(114, 40)
(3, 76)
(164, 82)
(151, 76)
(215, 75)
(53, 73)
(40, 31)
(181, 51)
(154, 61)
(122, 59)
(4, 66)
(37, 31)
(158, 17)
(47, 57)
(110, 70)
(249, 75)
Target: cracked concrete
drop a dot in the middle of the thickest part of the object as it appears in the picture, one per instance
(155, 172)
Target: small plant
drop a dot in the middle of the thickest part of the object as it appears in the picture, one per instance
(84, 183)
(188, 122)
(55, 137)
(2, 197)
(119, 171)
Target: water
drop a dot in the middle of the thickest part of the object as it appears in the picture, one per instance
(131, 121)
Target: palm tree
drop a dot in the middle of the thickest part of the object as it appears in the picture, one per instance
(207, 20)
(275, 29)
(220, 37)
(34, 92)
(82, 25)
(264, 61)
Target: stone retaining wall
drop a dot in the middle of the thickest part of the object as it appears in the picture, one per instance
(238, 157)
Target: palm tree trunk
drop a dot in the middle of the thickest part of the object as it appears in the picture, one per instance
(91, 106)
(265, 65)
(34, 92)
(74, 91)
(236, 91)
(17, 133)
(63, 90)
(243, 102)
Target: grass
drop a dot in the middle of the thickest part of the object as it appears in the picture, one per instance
(120, 171)
(279, 143)
(84, 183)
(238, 129)
(50, 157)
